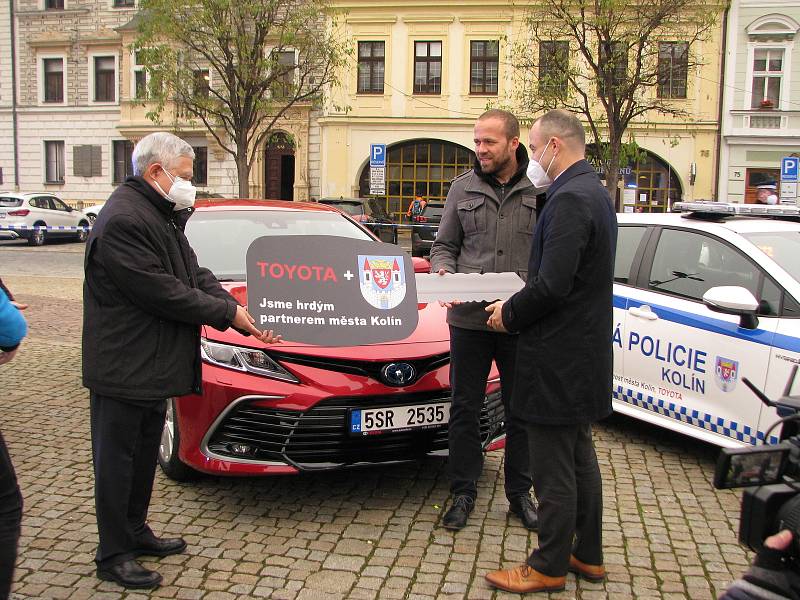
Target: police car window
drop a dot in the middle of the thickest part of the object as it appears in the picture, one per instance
(783, 247)
(6, 202)
(628, 240)
(687, 264)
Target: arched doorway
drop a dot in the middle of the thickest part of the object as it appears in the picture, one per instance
(649, 183)
(418, 168)
(279, 167)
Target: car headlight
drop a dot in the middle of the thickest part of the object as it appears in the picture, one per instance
(243, 359)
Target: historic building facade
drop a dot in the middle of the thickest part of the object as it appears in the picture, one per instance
(420, 75)
(761, 101)
(72, 123)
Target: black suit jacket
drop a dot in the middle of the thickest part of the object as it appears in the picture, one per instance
(564, 314)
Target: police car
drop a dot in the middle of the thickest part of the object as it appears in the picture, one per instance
(702, 298)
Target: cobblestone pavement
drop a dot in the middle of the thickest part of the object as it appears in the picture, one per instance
(371, 533)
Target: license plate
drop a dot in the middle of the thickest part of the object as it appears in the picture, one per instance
(371, 421)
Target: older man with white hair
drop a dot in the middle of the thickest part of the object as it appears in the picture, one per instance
(144, 300)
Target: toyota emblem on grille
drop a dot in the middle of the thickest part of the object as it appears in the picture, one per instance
(398, 373)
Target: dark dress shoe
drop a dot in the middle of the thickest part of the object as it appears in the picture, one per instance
(523, 507)
(130, 574)
(155, 546)
(456, 517)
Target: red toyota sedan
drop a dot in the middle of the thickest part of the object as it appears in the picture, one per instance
(294, 407)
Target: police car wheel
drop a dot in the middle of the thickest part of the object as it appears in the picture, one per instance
(168, 459)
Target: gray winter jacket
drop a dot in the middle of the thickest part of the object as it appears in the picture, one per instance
(480, 233)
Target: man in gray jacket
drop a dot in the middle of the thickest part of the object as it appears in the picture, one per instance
(486, 227)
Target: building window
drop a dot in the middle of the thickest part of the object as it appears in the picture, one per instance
(53, 69)
(553, 68)
(371, 67)
(104, 79)
(54, 4)
(54, 162)
(123, 160)
(200, 165)
(673, 69)
(427, 67)
(767, 77)
(123, 3)
(613, 63)
(202, 83)
(139, 83)
(484, 60)
(285, 66)
(419, 168)
(755, 177)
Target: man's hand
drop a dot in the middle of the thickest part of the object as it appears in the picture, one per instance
(7, 356)
(779, 541)
(451, 303)
(244, 322)
(19, 305)
(496, 320)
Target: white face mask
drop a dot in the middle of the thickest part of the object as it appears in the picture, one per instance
(536, 173)
(182, 192)
(772, 199)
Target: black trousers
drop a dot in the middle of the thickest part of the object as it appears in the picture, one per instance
(471, 355)
(125, 439)
(566, 479)
(10, 519)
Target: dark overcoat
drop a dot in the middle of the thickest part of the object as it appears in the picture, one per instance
(144, 299)
(564, 314)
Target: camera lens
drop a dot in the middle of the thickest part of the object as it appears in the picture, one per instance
(789, 518)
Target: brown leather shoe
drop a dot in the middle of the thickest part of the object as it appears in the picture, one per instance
(588, 572)
(524, 579)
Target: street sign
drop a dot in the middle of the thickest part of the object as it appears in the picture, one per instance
(788, 193)
(377, 169)
(377, 181)
(377, 155)
(789, 169)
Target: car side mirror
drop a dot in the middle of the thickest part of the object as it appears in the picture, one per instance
(733, 300)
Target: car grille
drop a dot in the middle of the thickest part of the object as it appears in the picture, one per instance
(318, 438)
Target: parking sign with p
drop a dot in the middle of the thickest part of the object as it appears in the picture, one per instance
(377, 155)
(789, 169)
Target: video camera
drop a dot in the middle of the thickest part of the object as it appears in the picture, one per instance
(771, 474)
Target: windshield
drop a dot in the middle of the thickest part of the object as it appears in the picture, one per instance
(781, 246)
(221, 239)
(433, 210)
(10, 202)
(351, 208)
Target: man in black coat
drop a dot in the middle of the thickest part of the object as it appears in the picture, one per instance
(144, 300)
(564, 356)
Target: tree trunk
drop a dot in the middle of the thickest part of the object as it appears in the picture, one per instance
(612, 173)
(243, 173)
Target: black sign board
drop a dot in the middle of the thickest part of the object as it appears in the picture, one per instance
(331, 291)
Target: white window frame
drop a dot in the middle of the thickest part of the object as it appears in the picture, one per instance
(90, 68)
(44, 162)
(296, 59)
(785, 71)
(40, 58)
(138, 68)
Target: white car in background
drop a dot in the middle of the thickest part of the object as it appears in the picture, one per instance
(93, 211)
(703, 299)
(39, 217)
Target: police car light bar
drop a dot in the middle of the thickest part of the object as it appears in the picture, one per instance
(726, 208)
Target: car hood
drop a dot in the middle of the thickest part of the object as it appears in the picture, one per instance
(431, 330)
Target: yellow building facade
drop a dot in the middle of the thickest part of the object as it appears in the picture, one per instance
(421, 73)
